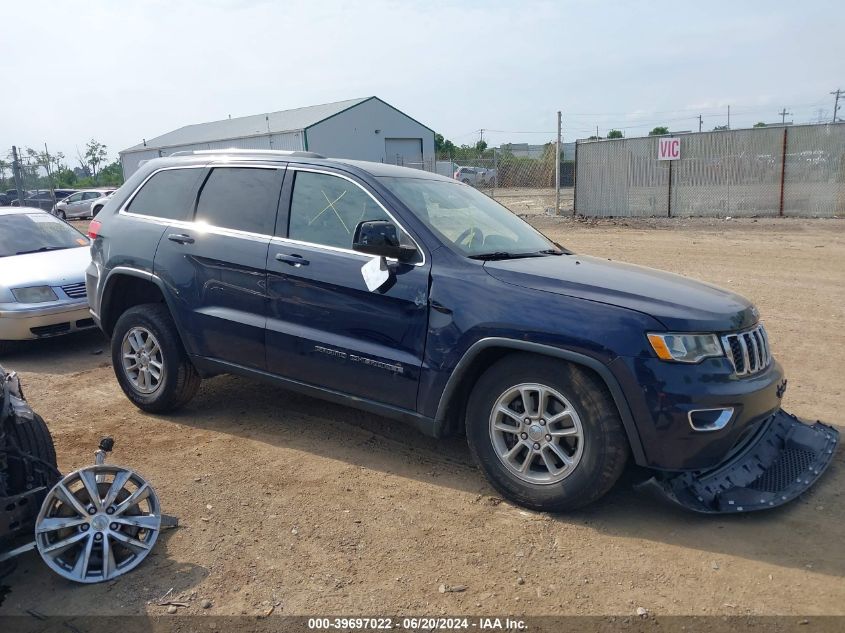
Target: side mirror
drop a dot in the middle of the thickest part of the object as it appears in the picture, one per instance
(381, 238)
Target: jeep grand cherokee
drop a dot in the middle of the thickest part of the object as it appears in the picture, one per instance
(416, 297)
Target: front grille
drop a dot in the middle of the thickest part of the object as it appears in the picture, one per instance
(748, 351)
(50, 330)
(75, 291)
(791, 463)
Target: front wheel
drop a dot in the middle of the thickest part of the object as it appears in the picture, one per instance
(61, 214)
(149, 360)
(545, 432)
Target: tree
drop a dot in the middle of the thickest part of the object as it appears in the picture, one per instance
(443, 145)
(759, 124)
(660, 130)
(720, 128)
(615, 134)
(95, 155)
(481, 146)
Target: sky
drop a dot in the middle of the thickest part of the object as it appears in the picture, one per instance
(121, 71)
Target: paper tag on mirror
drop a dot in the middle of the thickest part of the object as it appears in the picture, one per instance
(375, 273)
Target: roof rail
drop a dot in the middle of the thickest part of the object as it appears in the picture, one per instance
(233, 150)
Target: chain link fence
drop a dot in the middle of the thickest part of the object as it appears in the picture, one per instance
(790, 171)
(522, 180)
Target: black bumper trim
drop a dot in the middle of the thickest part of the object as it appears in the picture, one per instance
(782, 460)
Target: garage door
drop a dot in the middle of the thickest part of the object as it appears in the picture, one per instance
(403, 151)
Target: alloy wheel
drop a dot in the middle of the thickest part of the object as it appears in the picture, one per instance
(97, 523)
(143, 361)
(536, 433)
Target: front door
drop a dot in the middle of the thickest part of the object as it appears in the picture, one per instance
(215, 264)
(324, 327)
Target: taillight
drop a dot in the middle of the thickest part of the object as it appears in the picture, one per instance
(94, 229)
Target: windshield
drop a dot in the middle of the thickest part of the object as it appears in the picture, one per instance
(465, 218)
(22, 233)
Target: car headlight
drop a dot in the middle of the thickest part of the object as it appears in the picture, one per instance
(685, 348)
(34, 294)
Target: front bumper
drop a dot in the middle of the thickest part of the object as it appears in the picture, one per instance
(661, 396)
(44, 321)
(784, 459)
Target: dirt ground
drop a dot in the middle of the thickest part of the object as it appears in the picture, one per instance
(319, 509)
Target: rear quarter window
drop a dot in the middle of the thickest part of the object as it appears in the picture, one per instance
(169, 194)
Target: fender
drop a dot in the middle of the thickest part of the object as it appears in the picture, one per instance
(130, 272)
(547, 350)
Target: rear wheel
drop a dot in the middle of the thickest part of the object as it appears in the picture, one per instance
(545, 432)
(149, 360)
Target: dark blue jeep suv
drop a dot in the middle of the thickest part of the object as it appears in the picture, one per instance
(416, 297)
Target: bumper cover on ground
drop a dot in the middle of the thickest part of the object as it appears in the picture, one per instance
(782, 460)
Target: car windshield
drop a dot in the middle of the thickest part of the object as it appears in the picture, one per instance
(476, 225)
(22, 233)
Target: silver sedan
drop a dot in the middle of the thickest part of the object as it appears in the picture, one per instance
(42, 276)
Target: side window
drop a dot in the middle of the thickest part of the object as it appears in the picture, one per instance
(241, 198)
(326, 209)
(90, 195)
(168, 194)
(74, 198)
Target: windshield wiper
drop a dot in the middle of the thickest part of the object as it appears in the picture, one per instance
(487, 257)
(43, 249)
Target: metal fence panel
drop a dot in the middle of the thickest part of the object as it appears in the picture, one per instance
(730, 173)
(814, 183)
(725, 173)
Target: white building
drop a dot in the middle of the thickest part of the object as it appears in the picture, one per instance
(363, 129)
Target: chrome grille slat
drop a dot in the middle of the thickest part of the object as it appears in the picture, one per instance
(748, 351)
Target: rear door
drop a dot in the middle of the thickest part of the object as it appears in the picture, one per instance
(325, 328)
(215, 264)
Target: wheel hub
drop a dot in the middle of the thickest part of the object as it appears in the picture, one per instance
(535, 432)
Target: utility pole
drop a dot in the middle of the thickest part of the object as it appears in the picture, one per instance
(729, 117)
(16, 172)
(783, 114)
(699, 123)
(838, 92)
(49, 174)
(557, 166)
(481, 131)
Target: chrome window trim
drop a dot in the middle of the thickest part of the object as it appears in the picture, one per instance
(219, 230)
(292, 167)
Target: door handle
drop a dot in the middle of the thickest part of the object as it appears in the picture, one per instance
(180, 238)
(293, 260)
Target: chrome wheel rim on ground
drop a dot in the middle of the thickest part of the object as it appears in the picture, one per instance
(97, 523)
(143, 362)
(536, 433)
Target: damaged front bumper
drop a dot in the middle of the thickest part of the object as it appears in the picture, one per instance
(783, 459)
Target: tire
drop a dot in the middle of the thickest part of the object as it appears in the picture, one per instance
(466, 181)
(593, 468)
(61, 214)
(95, 211)
(178, 380)
(31, 437)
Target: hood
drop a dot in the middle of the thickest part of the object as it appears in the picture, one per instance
(681, 304)
(52, 268)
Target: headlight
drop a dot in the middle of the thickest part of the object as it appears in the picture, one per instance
(35, 294)
(685, 348)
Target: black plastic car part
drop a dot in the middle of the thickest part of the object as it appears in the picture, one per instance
(782, 460)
